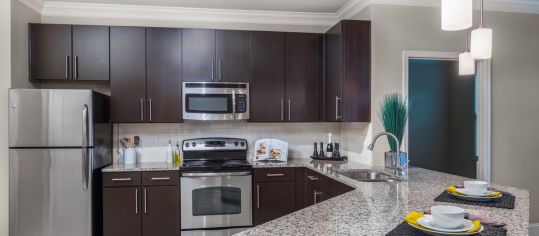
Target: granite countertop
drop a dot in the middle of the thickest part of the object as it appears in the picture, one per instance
(377, 208)
(373, 208)
(144, 166)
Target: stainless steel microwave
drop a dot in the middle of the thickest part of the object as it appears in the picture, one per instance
(215, 101)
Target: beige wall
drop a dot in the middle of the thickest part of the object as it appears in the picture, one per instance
(5, 83)
(20, 18)
(515, 70)
(515, 102)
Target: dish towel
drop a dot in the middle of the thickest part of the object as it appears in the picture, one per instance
(414, 216)
(454, 190)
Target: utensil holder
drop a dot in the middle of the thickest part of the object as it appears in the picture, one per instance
(129, 156)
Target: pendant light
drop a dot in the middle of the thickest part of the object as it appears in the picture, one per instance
(481, 41)
(457, 14)
(466, 62)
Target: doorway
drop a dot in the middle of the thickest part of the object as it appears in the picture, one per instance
(442, 129)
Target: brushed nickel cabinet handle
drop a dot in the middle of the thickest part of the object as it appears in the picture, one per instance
(282, 109)
(121, 179)
(76, 69)
(316, 193)
(212, 69)
(67, 67)
(141, 109)
(289, 110)
(312, 177)
(219, 68)
(274, 175)
(160, 178)
(145, 201)
(257, 196)
(136, 201)
(337, 113)
(150, 108)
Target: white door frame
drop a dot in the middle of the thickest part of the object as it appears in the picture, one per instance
(483, 105)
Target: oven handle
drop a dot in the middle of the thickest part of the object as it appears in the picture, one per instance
(217, 174)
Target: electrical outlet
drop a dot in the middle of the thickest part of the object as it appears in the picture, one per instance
(153, 140)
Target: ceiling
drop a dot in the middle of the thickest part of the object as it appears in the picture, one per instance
(315, 6)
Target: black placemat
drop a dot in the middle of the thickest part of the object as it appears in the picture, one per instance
(404, 229)
(506, 201)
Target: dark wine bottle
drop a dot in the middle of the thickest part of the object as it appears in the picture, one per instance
(315, 152)
(329, 150)
(321, 154)
(336, 152)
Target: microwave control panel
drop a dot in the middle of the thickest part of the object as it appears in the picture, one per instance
(241, 103)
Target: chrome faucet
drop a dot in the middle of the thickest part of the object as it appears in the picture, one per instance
(404, 173)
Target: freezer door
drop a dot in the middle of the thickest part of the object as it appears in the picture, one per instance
(50, 192)
(50, 118)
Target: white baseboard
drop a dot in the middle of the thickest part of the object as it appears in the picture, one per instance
(534, 229)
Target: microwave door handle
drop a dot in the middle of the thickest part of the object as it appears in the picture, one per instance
(234, 104)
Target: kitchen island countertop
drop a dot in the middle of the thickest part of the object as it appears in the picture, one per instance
(377, 208)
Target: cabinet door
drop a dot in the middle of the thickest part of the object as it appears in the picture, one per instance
(303, 80)
(267, 70)
(273, 200)
(161, 211)
(232, 56)
(50, 52)
(310, 193)
(164, 63)
(91, 53)
(356, 103)
(334, 74)
(128, 74)
(198, 53)
(121, 211)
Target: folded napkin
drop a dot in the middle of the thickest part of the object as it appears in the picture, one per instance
(454, 190)
(414, 216)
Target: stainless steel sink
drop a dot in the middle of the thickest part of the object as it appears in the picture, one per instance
(368, 176)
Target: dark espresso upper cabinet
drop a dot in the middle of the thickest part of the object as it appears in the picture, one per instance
(50, 52)
(267, 94)
(347, 81)
(65, 52)
(164, 71)
(232, 54)
(198, 53)
(90, 53)
(303, 56)
(128, 74)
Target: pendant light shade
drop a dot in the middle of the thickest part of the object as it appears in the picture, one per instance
(466, 64)
(457, 14)
(482, 43)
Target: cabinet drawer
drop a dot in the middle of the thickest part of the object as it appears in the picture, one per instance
(312, 178)
(116, 179)
(160, 178)
(275, 174)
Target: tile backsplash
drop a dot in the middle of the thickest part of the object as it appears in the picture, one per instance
(300, 136)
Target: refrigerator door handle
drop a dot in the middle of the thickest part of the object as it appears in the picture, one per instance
(85, 125)
(85, 169)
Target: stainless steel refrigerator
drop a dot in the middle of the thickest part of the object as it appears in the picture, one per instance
(59, 140)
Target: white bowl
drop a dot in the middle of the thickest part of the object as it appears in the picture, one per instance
(476, 187)
(448, 217)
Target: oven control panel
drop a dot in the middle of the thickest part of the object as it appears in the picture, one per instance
(214, 144)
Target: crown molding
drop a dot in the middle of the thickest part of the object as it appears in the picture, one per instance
(352, 8)
(34, 5)
(116, 11)
(517, 6)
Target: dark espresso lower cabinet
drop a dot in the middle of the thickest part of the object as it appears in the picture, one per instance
(146, 204)
(273, 200)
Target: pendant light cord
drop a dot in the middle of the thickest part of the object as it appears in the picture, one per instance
(481, 7)
(467, 41)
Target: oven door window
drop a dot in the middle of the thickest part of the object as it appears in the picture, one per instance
(208, 103)
(216, 201)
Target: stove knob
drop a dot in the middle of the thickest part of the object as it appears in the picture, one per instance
(236, 143)
(194, 144)
(186, 144)
(242, 144)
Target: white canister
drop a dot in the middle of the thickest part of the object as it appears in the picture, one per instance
(130, 156)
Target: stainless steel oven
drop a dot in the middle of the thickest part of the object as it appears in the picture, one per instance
(216, 200)
(215, 101)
